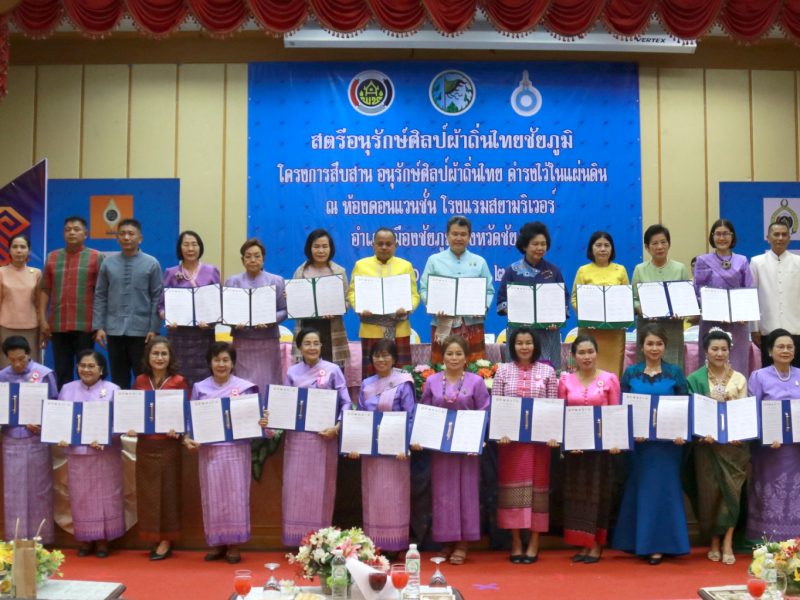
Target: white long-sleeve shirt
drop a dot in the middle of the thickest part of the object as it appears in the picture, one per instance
(778, 281)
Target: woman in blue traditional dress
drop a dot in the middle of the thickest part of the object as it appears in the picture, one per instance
(652, 520)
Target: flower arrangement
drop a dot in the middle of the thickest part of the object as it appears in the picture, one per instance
(316, 550)
(48, 563)
(787, 561)
(485, 368)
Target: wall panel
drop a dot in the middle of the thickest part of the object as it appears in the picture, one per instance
(648, 116)
(153, 113)
(774, 127)
(235, 189)
(17, 121)
(58, 119)
(105, 121)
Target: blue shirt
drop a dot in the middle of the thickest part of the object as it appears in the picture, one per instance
(524, 272)
(447, 264)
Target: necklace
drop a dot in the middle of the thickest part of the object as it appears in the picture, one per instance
(163, 383)
(778, 373)
(725, 262)
(458, 389)
(190, 276)
(652, 371)
(718, 384)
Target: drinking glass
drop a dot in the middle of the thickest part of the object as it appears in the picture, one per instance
(272, 583)
(399, 578)
(756, 587)
(242, 583)
(378, 578)
(437, 579)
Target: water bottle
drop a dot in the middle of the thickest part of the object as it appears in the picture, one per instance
(769, 573)
(338, 576)
(412, 568)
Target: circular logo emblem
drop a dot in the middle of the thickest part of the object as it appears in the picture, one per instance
(452, 92)
(526, 100)
(371, 93)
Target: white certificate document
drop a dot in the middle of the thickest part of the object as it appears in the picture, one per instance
(207, 424)
(641, 413)
(300, 298)
(396, 293)
(615, 428)
(321, 409)
(129, 409)
(57, 421)
(368, 294)
(169, 411)
(653, 300)
(245, 413)
(235, 306)
(392, 433)
(744, 305)
(94, 423)
(548, 420)
(551, 303)
(579, 428)
(471, 299)
(282, 407)
(31, 397)
(520, 304)
(683, 299)
(263, 306)
(705, 417)
(329, 292)
(794, 405)
(357, 431)
(714, 302)
(742, 418)
(208, 304)
(178, 306)
(441, 295)
(505, 417)
(619, 304)
(591, 303)
(428, 428)
(468, 431)
(672, 421)
(5, 404)
(772, 421)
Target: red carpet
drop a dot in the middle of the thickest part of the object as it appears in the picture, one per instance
(486, 575)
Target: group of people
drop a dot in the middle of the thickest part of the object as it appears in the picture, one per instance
(117, 301)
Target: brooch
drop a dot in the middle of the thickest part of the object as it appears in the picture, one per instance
(235, 392)
(35, 376)
(103, 393)
(600, 383)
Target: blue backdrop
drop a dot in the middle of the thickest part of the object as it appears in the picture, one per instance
(355, 146)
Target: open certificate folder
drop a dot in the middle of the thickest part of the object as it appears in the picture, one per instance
(314, 298)
(301, 409)
(225, 419)
(526, 419)
(598, 428)
(192, 306)
(730, 306)
(780, 421)
(76, 423)
(448, 430)
(374, 433)
(730, 421)
(456, 296)
(650, 424)
(540, 305)
(21, 403)
(249, 307)
(149, 412)
(382, 295)
(668, 299)
(605, 306)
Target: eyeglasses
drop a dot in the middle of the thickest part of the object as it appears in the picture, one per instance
(722, 234)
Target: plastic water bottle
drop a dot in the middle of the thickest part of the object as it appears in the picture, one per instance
(338, 577)
(412, 568)
(769, 573)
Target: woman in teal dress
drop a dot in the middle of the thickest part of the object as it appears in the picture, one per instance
(652, 520)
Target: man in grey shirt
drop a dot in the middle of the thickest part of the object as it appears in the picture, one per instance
(126, 303)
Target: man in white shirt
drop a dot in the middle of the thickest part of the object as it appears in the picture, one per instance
(776, 274)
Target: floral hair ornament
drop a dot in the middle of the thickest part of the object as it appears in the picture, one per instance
(726, 333)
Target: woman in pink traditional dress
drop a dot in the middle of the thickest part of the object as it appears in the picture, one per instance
(455, 478)
(587, 475)
(224, 466)
(524, 469)
(94, 472)
(386, 480)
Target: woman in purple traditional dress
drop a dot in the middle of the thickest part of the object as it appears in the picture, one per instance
(224, 466)
(258, 347)
(310, 459)
(386, 480)
(94, 472)
(190, 343)
(775, 470)
(27, 465)
(726, 270)
(455, 478)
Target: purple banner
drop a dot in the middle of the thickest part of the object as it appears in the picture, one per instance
(23, 206)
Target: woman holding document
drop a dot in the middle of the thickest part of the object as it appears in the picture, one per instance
(524, 469)
(724, 269)
(720, 469)
(602, 271)
(94, 472)
(310, 459)
(319, 251)
(587, 475)
(224, 466)
(652, 520)
(386, 481)
(158, 457)
(190, 344)
(775, 480)
(455, 478)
